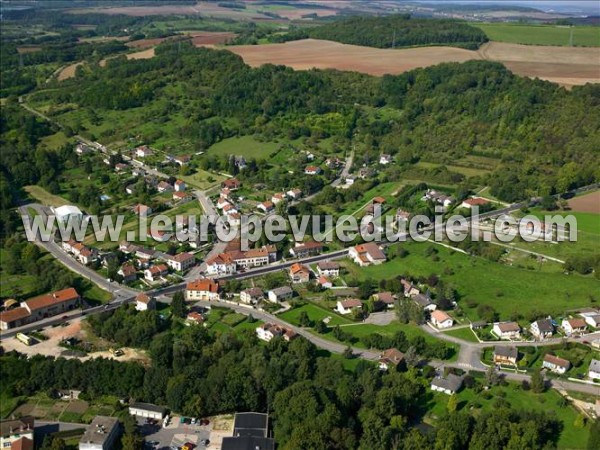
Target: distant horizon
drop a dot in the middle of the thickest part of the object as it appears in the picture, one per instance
(588, 7)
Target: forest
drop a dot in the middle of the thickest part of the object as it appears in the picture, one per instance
(313, 401)
(392, 32)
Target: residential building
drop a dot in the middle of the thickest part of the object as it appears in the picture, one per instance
(278, 198)
(144, 253)
(194, 318)
(120, 167)
(450, 384)
(252, 296)
(594, 370)
(506, 355)
(593, 320)
(507, 330)
(13, 430)
(438, 197)
(409, 289)
(181, 197)
(182, 160)
(221, 264)
(574, 326)
(82, 149)
(348, 306)
(15, 317)
(142, 210)
(328, 268)
(475, 201)
(294, 194)
(350, 179)
(204, 289)
(299, 273)
(179, 186)
(101, 434)
(440, 319)
(222, 203)
(312, 170)
(144, 302)
(392, 357)
(266, 207)
(250, 432)
(22, 444)
(153, 273)
(387, 298)
(230, 209)
(268, 331)
(128, 272)
(280, 294)
(367, 254)
(424, 301)
(143, 152)
(305, 249)
(232, 184)
(385, 159)
(51, 304)
(542, 329)
(556, 364)
(163, 186)
(225, 194)
(181, 261)
(147, 410)
(324, 282)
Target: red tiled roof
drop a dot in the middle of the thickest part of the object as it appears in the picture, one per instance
(203, 285)
(13, 315)
(557, 361)
(440, 316)
(476, 201)
(351, 303)
(43, 301)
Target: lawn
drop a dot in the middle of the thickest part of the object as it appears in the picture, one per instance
(202, 179)
(466, 171)
(45, 197)
(314, 313)
(582, 36)
(570, 438)
(246, 146)
(466, 334)
(509, 290)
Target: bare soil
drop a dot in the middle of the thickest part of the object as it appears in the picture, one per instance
(589, 203)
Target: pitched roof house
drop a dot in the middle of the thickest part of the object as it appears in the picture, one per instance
(348, 305)
(367, 254)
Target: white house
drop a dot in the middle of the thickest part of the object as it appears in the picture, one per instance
(312, 170)
(144, 302)
(277, 198)
(155, 272)
(440, 319)
(268, 331)
(266, 207)
(385, 159)
(594, 370)
(181, 261)
(68, 212)
(143, 152)
(542, 329)
(507, 330)
(350, 179)
(448, 385)
(252, 296)
(179, 186)
(204, 289)
(280, 294)
(221, 264)
(328, 268)
(348, 305)
(556, 364)
(367, 254)
(593, 320)
(294, 194)
(574, 326)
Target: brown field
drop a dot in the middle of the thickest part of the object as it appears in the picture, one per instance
(589, 203)
(297, 13)
(23, 50)
(566, 66)
(199, 38)
(143, 54)
(68, 72)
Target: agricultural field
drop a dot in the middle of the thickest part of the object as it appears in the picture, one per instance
(567, 66)
(530, 34)
(510, 290)
(246, 146)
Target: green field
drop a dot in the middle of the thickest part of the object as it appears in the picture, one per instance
(314, 313)
(582, 36)
(508, 289)
(466, 334)
(246, 146)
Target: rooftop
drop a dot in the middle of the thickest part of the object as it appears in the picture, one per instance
(99, 430)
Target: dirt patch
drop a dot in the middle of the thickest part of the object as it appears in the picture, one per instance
(77, 406)
(568, 66)
(211, 38)
(68, 72)
(145, 43)
(589, 203)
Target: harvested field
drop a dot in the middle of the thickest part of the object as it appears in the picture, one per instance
(589, 203)
(199, 39)
(68, 72)
(143, 54)
(313, 53)
(24, 50)
(566, 66)
(145, 43)
(299, 13)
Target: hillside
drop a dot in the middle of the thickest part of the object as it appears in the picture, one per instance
(395, 32)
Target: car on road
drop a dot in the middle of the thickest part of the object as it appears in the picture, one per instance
(64, 317)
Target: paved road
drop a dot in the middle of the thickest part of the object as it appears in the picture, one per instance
(345, 171)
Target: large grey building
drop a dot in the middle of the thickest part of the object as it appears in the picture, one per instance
(101, 434)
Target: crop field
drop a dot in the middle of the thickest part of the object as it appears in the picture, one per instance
(567, 66)
(246, 146)
(588, 203)
(529, 34)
